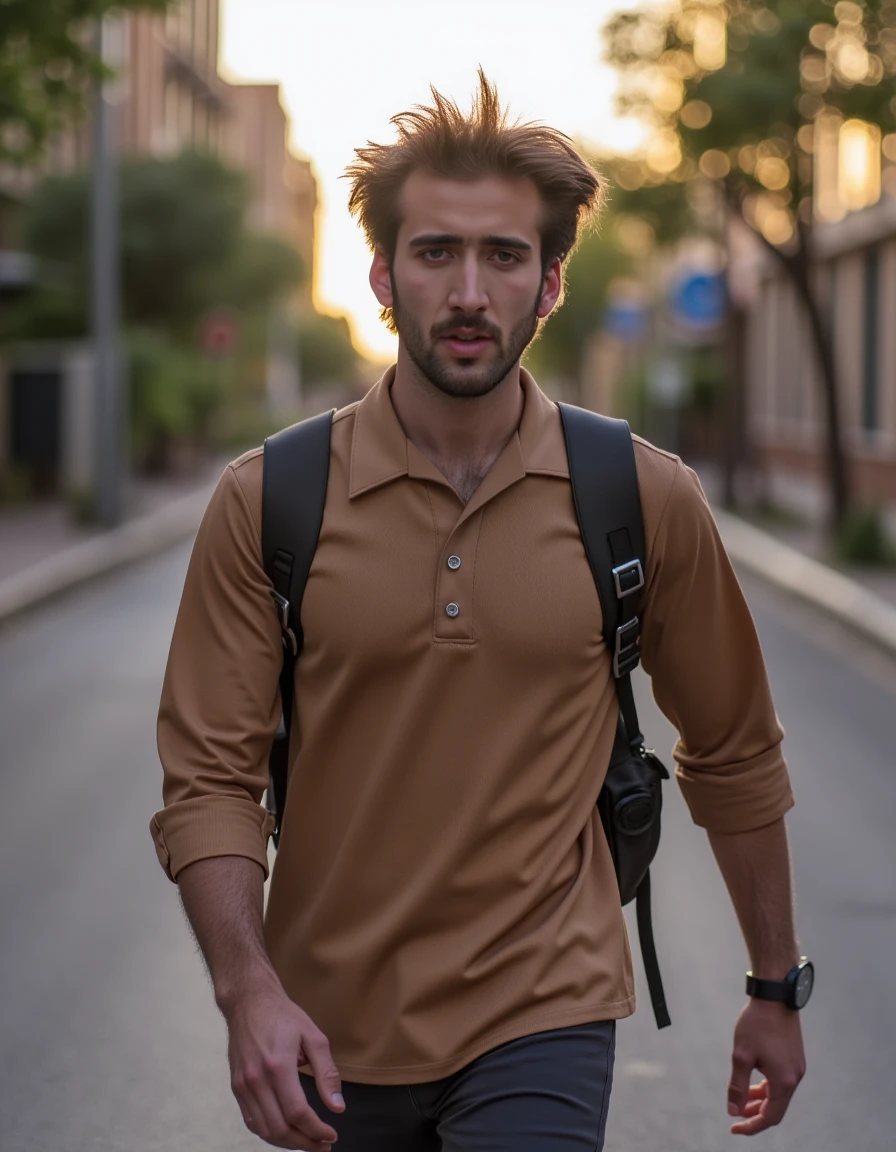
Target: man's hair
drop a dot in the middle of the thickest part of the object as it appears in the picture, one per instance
(444, 141)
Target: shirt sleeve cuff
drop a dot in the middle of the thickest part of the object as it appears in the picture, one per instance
(201, 828)
(738, 797)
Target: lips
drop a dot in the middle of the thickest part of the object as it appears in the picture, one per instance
(466, 343)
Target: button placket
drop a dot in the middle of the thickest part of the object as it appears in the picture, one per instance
(454, 582)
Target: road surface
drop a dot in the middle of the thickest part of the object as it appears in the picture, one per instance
(108, 1035)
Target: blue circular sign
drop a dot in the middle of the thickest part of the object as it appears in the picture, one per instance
(700, 299)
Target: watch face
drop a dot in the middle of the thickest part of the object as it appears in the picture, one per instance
(803, 987)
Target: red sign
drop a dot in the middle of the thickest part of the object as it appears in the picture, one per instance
(219, 333)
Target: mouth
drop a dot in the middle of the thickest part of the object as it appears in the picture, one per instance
(465, 343)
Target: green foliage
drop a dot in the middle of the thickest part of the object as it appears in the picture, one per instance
(326, 352)
(593, 266)
(47, 64)
(175, 393)
(787, 62)
(184, 245)
(863, 538)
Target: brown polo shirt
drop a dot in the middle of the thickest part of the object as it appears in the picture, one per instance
(443, 884)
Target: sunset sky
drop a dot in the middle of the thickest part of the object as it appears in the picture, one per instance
(347, 67)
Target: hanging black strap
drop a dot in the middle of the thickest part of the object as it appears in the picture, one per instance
(607, 500)
(294, 489)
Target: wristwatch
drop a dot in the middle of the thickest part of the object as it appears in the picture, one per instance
(794, 990)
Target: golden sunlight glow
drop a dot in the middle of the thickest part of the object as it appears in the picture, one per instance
(715, 164)
(853, 61)
(710, 41)
(858, 174)
(696, 114)
(664, 152)
(776, 224)
(773, 172)
(828, 206)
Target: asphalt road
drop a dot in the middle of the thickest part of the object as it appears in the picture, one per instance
(109, 1039)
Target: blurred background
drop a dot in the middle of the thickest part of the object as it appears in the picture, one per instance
(179, 276)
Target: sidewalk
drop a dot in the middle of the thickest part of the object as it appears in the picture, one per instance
(803, 530)
(44, 552)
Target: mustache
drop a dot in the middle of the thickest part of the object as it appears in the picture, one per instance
(474, 324)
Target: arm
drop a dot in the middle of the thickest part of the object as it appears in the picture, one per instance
(700, 647)
(756, 869)
(270, 1036)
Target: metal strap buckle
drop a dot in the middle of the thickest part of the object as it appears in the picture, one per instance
(627, 656)
(287, 634)
(629, 578)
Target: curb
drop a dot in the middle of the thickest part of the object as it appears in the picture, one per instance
(799, 575)
(134, 540)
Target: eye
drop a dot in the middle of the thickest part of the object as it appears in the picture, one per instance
(434, 255)
(506, 258)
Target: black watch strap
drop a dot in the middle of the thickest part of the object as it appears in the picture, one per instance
(768, 989)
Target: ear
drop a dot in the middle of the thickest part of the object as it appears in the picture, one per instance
(381, 278)
(551, 288)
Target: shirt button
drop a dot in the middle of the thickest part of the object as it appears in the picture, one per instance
(452, 609)
(454, 562)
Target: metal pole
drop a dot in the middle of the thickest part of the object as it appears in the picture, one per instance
(109, 409)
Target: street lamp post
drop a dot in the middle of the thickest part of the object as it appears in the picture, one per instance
(105, 285)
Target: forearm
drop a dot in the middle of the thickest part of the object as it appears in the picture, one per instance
(756, 869)
(223, 898)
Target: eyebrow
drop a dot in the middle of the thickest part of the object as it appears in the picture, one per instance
(446, 239)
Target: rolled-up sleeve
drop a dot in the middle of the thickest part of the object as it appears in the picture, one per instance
(700, 648)
(220, 699)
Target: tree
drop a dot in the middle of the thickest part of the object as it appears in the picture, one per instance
(184, 245)
(47, 65)
(326, 352)
(735, 90)
(591, 268)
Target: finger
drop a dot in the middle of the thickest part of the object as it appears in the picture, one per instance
(326, 1074)
(268, 1121)
(294, 1111)
(739, 1084)
(771, 1110)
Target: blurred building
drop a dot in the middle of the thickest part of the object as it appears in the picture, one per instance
(284, 190)
(169, 97)
(854, 274)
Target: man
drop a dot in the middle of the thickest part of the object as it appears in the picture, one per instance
(443, 954)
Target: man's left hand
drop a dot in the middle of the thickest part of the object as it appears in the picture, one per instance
(768, 1038)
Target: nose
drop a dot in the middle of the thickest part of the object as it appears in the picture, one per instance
(468, 291)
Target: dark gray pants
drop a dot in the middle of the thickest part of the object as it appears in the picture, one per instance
(542, 1093)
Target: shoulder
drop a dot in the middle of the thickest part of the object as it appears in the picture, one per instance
(659, 475)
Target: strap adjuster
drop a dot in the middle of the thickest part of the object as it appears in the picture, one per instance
(629, 578)
(627, 656)
(287, 634)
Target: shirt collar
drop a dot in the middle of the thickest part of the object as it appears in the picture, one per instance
(382, 452)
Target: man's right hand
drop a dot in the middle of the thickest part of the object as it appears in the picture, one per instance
(270, 1038)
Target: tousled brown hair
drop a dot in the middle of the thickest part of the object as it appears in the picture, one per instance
(443, 140)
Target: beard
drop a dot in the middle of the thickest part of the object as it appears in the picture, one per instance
(462, 379)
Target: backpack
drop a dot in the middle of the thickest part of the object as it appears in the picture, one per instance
(608, 509)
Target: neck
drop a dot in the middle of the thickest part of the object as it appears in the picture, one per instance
(456, 430)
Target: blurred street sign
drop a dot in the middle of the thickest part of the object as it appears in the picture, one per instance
(667, 381)
(700, 300)
(218, 335)
(626, 319)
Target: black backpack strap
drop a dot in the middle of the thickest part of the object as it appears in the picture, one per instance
(294, 489)
(607, 500)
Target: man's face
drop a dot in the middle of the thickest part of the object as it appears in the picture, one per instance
(466, 285)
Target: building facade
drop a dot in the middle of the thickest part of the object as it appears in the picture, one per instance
(855, 280)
